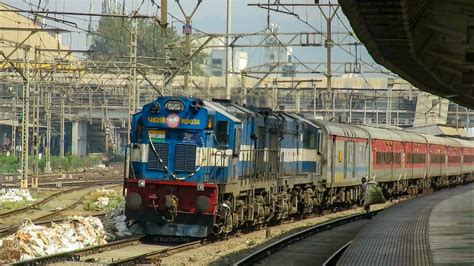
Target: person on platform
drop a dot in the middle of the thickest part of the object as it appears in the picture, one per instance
(365, 193)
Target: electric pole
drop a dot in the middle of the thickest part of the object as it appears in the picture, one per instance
(25, 122)
(133, 85)
(329, 44)
(229, 57)
(187, 30)
(36, 136)
(61, 127)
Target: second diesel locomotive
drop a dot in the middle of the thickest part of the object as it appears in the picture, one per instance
(208, 167)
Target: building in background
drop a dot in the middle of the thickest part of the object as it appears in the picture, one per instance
(277, 55)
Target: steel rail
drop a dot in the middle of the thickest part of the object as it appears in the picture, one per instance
(296, 237)
(55, 195)
(145, 258)
(75, 255)
(52, 177)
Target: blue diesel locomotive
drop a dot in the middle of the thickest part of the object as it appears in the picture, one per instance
(208, 167)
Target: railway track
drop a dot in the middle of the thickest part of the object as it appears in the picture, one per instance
(115, 252)
(261, 255)
(10, 180)
(134, 251)
(55, 195)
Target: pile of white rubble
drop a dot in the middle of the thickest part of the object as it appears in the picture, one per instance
(14, 195)
(76, 232)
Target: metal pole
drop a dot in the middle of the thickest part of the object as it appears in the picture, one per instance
(350, 109)
(329, 68)
(36, 137)
(298, 100)
(333, 104)
(365, 112)
(377, 115)
(61, 137)
(133, 65)
(457, 116)
(164, 17)
(133, 98)
(15, 120)
(389, 106)
(106, 126)
(314, 100)
(229, 57)
(47, 150)
(187, 41)
(468, 119)
(25, 123)
(329, 43)
(187, 52)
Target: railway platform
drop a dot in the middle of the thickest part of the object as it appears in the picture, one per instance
(433, 229)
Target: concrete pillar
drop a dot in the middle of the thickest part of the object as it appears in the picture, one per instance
(79, 138)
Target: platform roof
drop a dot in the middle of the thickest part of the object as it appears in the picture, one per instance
(429, 43)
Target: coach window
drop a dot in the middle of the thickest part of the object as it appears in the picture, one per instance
(222, 133)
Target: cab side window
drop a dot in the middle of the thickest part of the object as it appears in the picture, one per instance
(222, 133)
(310, 139)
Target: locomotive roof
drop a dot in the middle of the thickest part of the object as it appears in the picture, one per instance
(221, 110)
(239, 111)
(304, 119)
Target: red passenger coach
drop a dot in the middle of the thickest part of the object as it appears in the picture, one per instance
(468, 155)
(454, 156)
(387, 154)
(415, 155)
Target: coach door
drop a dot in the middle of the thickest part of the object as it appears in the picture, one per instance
(260, 152)
(273, 153)
(349, 159)
(402, 161)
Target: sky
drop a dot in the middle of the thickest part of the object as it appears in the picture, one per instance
(210, 17)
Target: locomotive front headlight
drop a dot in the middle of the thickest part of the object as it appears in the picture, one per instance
(133, 200)
(202, 204)
(174, 106)
(155, 109)
(141, 183)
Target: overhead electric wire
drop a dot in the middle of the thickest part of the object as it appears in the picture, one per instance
(325, 35)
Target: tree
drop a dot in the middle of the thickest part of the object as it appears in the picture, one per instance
(111, 41)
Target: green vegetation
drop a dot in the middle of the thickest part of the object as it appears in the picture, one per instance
(10, 164)
(12, 205)
(112, 40)
(103, 199)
